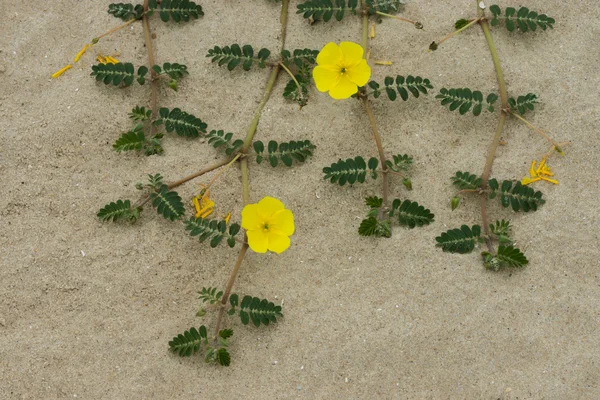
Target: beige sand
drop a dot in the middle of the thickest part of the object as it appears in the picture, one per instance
(87, 309)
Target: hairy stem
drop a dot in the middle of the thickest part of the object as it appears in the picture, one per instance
(417, 24)
(113, 30)
(200, 173)
(485, 176)
(153, 82)
(244, 162)
(369, 111)
(456, 32)
(222, 171)
(535, 129)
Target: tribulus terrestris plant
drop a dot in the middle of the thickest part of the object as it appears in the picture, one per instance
(343, 71)
(267, 224)
(515, 194)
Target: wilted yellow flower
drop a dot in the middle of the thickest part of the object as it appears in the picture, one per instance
(203, 204)
(541, 173)
(341, 70)
(268, 225)
(81, 52)
(61, 71)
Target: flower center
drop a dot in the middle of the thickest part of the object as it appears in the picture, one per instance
(266, 226)
(343, 70)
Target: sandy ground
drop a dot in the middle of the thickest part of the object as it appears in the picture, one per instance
(87, 309)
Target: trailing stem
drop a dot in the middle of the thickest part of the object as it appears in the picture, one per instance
(369, 111)
(244, 162)
(153, 82)
(503, 112)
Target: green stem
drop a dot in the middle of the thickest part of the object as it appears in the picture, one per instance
(456, 32)
(369, 111)
(286, 69)
(153, 82)
(535, 129)
(244, 162)
(417, 24)
(487, 170)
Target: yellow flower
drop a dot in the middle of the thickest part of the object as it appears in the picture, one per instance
(341, 70)
(61, 71)
(268, 225)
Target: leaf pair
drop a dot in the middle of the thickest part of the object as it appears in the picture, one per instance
(462, 99)
(212, 229)
(287, 152)
(235, 55)
(523, 19)
(412, 84)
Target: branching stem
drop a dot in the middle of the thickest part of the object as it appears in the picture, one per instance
(116, 28)
(456, 32)
(244, 161)
(417, 24)
(153, 82)
(535, 129)
(485, 176)
(369, 111)
(222, 171)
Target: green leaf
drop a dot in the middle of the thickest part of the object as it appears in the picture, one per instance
(466, 181)
(212, 230)
(507, 256)
(220, 138)
(286, 152)
(140, 114)
(167, 203)
(519, 197)
(189, 342)
(374, 202)
(178, 10)
(325, 9)
(132, 140)
(181, 122)
(126, 11)
(234, 55)
(464, 99)
(413, 84)
(384, 6)
(210, 295)
(223, 357)
(411, 214)
(259, 311)
(349, 170)
(459, 240)
(523, 103)
(114, 73)
(119, 210)
(522, 19)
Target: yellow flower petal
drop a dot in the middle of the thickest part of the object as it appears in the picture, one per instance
(360, 73)
(258, 240)
(352, 53)
(81, 52)
(330, 54)
(549, 180)
(61, 71)
(532, 172)
(227, 218)
(541, 166)
(111, 60)
(101, 59)
(326, 77)
(344, 89)
(250, 218)
(276, 243)
(283, 221)
(269, 205)
(527, 181)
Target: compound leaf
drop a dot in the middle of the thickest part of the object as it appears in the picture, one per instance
(459, 240)
(167, 203)
(181, 122)
(187, 343)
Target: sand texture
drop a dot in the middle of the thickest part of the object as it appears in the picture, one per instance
(87, 309)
